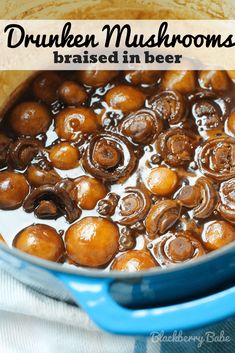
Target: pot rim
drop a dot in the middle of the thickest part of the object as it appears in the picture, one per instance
(100, 273)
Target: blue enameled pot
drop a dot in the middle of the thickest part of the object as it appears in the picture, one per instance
(183, 297)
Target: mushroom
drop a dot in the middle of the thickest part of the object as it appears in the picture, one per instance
(133, 206)
(162, 216)
(5, 142)
(107, 206)
(216, 158)
(52, 201)
(127, 239)
(170, 106)
(209, 111)
(226, 206)
(176, 146)
(202, 197)
(42, 173)
(142, 126)
(22, 152)
(109, 157)
(176, 247)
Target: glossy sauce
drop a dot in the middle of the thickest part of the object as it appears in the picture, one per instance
(187, 228)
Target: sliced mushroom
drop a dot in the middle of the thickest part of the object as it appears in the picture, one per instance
(162, 216)
(22, 152)
(176, 247)
(202, 197)
(52, 201)
(226, 206)
(142, 126)
(176, 146)
(133, 206)
(170, 105)
(109, 157)
(216, 158)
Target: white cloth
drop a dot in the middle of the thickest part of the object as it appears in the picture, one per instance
(33, 323)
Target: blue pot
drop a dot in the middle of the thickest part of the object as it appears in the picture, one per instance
(184, 297)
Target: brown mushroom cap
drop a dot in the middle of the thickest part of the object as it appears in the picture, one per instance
(45, 86)
(42, 241)
(218, 234)
(71, 123)
(125, 98)
(134, 260)
(92, 241)
(13, 190)
(30, 119)
(96, 78)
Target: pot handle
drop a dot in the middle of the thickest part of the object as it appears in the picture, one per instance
(93, 295)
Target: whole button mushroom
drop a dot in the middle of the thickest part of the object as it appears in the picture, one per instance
(142, 77)
(162, 181)
(216, 80)
(183, 81)
(71, 123)
(134, 261)
(42, 241)
(71, 93)
(30, 119)
(13, 190)
(92, 241)
(42, 173)
(125, 98)
(89, 191)
(96, 78)
(45, 86)
(218, 234)
(64, 156)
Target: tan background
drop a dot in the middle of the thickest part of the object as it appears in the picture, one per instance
(117, 9)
